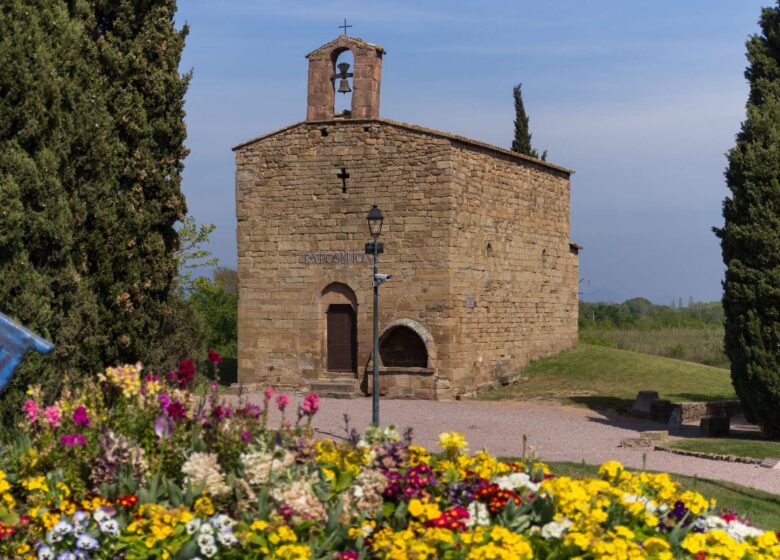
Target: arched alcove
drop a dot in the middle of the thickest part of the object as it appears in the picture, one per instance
(343, 71)
(400, 346)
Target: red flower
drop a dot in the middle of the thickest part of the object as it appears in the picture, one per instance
(214, 357)
(186, 372)
(127, 502)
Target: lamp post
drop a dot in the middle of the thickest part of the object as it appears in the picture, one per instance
(375, 220)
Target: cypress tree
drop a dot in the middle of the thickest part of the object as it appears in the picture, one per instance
(139, 54)
(522, 140)
(750, 238)
(55, 155)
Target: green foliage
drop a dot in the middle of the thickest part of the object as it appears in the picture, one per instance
(91, 149)
(607, 378)
(640, 313)
(191, 255)
(750, 238)
(217, 309)
(56, 157)
(522, 140)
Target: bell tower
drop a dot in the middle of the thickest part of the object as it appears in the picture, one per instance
(324, 74)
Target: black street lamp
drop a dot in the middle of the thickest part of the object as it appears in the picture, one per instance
(375, 220)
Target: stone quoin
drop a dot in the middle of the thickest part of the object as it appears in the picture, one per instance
(476, 238)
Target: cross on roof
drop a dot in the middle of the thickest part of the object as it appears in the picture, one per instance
(344, 27)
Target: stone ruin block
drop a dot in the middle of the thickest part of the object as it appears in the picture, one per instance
(718, 426)
(644, 399)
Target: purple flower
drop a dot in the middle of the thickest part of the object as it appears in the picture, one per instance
(163, 427)
(71, 440)
(246, 436)
(164, 401)
(80, 416)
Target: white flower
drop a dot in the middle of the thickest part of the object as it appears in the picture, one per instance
(193, 525)
(366, 530)
(207, 529)
(100, 515)
(222, 522)
(87, 542)
(62, 528)
(739, 531)
(110, 527)
(514, 481)
(556, 529)
(45, 553)
(478, 515)
(259, 465)
(202, 468)
(227, 538)
(206, 541)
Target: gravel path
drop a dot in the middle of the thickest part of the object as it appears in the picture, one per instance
(558, 433)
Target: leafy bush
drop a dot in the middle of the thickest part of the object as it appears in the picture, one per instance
(137, 466)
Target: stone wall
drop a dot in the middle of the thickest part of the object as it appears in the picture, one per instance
(513, 277)
(477, 241)
(289, 201)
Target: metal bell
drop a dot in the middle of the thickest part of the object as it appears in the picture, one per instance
(344, 86)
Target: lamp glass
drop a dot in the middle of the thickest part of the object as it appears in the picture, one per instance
(375, 220)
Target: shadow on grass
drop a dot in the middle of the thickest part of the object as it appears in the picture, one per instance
(604, 403)
(697, 397)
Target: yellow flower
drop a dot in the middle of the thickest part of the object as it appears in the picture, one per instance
(50, 519)
(293, 552)
(204, 507)
(259, 525)
(452, 441)
(36, 483)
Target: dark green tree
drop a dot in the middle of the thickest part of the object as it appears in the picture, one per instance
(522, 140)
(139, 51)
(750, 237)
(56, 156)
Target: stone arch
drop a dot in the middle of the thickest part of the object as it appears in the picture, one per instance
(338, 56)
(338, 293)
(418, 330)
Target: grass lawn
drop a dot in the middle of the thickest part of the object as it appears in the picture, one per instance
(761, 507)
(754, 447)
(602, 377)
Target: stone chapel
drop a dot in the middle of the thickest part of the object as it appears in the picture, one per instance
(475, 236)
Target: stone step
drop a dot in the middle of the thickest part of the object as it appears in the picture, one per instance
(336, 388)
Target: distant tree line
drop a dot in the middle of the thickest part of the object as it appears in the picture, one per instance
(641, 313)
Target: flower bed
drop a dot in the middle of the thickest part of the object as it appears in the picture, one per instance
(136, 466)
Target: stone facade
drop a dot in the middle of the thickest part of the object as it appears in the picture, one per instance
(476, 238)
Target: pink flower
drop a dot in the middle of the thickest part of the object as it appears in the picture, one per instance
(32, 410)
(269, 393)
(80, 416)
(70, 440)
(246, 436)
(282, 401)
(311, 404)
(52, 415)
(214, 357)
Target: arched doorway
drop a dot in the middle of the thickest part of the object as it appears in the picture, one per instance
(402, 347)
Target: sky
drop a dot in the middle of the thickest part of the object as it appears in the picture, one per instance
(642, 99)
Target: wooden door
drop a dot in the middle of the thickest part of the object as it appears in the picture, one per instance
(342, 338)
